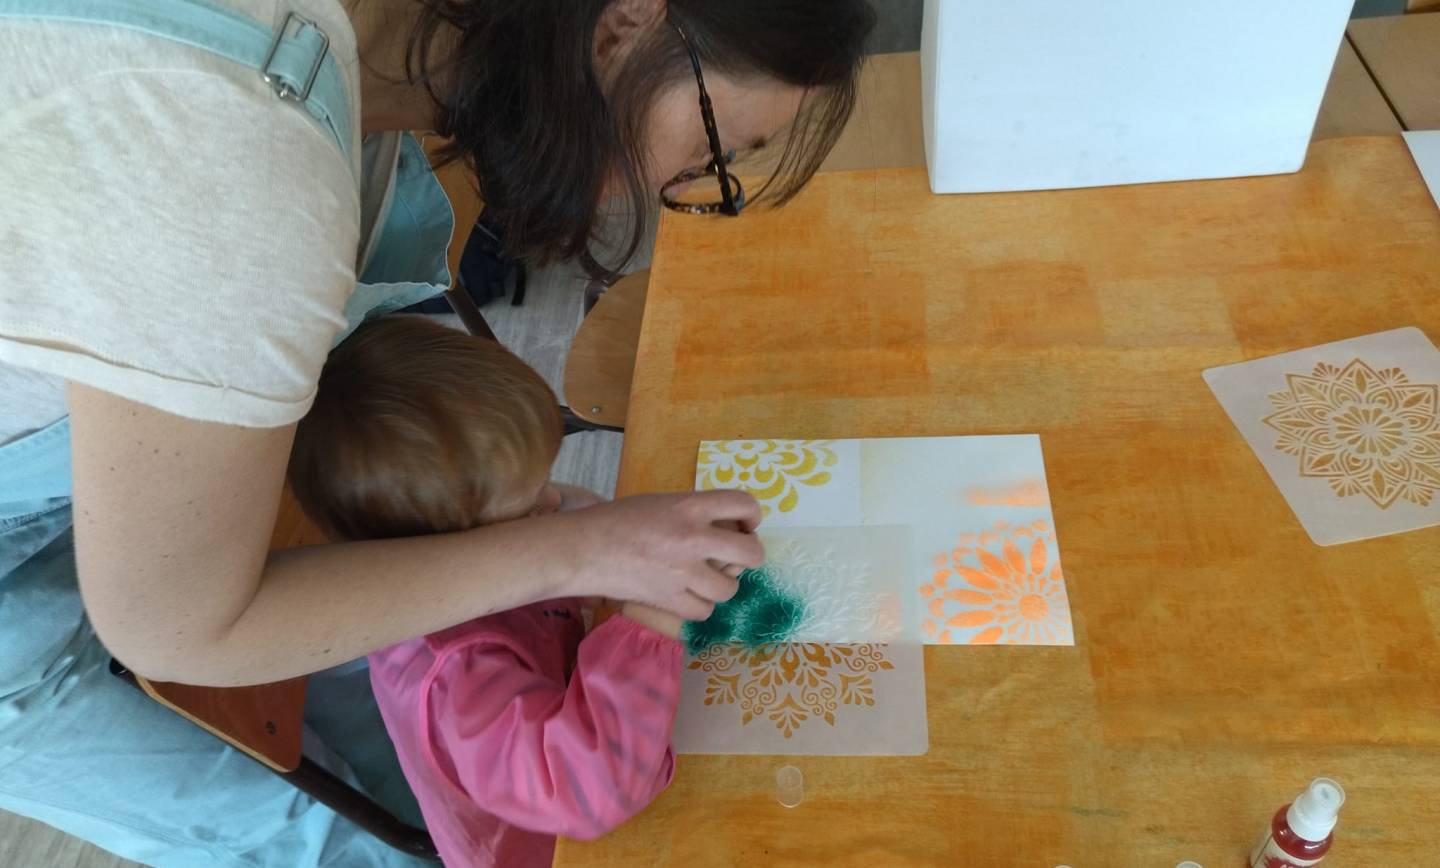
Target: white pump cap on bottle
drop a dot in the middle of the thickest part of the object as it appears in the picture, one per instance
(1313, 814)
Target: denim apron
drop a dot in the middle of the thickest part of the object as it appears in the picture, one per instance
(66, 726)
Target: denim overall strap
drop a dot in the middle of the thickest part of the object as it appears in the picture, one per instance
(408, 264)
(295, 59)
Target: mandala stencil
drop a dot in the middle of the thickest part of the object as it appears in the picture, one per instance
(1007, 586)
(843, 601)
(793, 683)
(1365, 431)
(771, 470)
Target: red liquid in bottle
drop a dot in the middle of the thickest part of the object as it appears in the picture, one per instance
(1285, 849)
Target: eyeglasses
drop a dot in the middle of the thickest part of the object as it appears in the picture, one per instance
(732, 196)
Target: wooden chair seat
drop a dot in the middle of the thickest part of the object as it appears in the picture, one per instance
(602, 358)
(266, 721)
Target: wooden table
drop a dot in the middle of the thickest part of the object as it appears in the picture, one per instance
(1222, 659)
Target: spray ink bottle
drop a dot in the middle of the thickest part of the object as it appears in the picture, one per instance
(1300, 833)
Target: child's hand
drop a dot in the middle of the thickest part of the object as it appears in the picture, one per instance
(575, 497)
(663, 623)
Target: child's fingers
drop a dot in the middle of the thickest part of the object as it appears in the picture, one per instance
(658, 620)
(691, 607)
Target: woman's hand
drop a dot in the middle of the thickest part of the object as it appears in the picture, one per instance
(677, 552)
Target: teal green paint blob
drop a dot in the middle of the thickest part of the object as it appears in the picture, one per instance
(772, 619)
(719, 627)
(760, 613)
(754, 584)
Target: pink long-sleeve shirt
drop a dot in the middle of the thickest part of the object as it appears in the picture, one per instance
(517, 727)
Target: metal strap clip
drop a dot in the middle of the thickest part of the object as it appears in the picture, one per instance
(283, 81)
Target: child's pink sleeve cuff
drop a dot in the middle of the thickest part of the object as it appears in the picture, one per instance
(571, 759)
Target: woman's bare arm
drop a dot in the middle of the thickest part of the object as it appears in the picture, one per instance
(173, 520)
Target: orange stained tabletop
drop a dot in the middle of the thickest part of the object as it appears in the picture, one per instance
(1222, 660)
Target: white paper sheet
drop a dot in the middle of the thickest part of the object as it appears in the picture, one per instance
(1425, 147)
(983, 564)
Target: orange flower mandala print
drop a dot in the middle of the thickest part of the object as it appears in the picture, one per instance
(1002, 586)
(792, 684)
(1364, 431)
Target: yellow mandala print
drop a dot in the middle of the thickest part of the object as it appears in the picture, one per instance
(792, 683)
(1006, 585)
(1365, 431)
(771, 470)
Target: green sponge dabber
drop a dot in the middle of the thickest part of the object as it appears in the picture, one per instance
(760, 613)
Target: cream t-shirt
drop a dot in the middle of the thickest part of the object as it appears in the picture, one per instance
(170, 231)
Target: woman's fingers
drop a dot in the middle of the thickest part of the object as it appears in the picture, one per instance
(729, 547)
(728, 506)
(680, 552)
(731, 570)
(714, 585)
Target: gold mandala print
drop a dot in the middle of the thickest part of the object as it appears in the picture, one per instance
(771, 470)
(792, 683)
(1365, 431)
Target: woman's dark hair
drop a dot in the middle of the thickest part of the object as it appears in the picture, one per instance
(518, 96)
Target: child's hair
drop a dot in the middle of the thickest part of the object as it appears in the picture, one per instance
(418, 428)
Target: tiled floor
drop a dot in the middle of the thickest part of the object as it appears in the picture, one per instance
(540, 331)
(27, 844)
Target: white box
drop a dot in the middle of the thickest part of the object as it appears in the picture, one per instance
(1044, 94)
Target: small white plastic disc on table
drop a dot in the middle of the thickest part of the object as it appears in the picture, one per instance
(789, 786)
